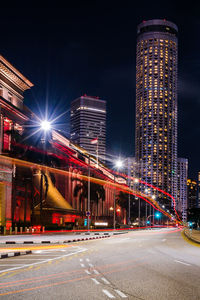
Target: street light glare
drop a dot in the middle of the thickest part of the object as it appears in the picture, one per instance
(119, 163)
(45, 125)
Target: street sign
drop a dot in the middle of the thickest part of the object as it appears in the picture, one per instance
(87, 213)
(85, 222)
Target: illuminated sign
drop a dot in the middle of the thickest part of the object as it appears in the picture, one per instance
(101, 223)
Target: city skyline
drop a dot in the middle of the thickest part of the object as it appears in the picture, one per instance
(115, 79)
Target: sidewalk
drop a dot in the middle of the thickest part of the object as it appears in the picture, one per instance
(193, 235)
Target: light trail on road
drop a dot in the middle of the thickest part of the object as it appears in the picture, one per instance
(108, 182)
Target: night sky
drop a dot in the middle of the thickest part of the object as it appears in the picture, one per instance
(88, 47)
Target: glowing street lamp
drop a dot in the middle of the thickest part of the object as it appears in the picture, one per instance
(118, 165)
(45, 125)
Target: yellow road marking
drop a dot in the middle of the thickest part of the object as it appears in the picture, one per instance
(41, 247)
(188, 240)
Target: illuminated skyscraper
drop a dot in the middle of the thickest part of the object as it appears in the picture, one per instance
(156, 104)
(182, 176)
(88, 124)
(192, 188)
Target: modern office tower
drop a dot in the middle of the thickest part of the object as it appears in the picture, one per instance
(88, 124)
(192, 193)
(182, 174)
(156, 104)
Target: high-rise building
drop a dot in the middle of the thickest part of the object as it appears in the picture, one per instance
(198, 192)
(156, 104)
(182, 174)
(88, 124)
(192, 193)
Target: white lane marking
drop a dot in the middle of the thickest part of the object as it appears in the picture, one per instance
(12, 265)
(91, 265)
(86, 271)
(43, 255)
(107, 293)
(163, 240)
(95, 281)
(120, 294)
(105, 280)
(87, 259)
(44, 261)
(25, 259)
(96, 272)
(181, 262)
(81, 259)
(82, 265)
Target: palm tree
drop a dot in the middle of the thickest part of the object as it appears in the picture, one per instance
(81, 189)
(97, 193)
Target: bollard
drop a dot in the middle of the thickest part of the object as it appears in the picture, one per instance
(25, 230)
(30, 229)
(43, 229)
(21, 230)
(4, 230)
(10, 229)
(15, 229)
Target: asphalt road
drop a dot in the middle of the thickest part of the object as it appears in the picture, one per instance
(157, 264)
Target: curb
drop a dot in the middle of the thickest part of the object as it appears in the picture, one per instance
(12, 254)
(189, 236)
(55, 242)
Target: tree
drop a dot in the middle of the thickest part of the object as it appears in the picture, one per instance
(97, 193)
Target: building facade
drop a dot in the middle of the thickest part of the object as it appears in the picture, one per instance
(88, 124)
(182, 175)
(12, 117)
(156, 104)
(192, 188)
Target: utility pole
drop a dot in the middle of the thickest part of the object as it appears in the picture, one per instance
(114, 206)
(129, 209)
(139, 212)
(146, 213)
(88, 213)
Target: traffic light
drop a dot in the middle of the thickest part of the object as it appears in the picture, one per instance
(157, 215)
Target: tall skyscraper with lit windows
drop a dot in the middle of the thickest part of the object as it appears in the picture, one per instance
(182, 176)
(156, 104)
(88, 124)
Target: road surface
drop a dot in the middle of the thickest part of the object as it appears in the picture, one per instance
(157, 264)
